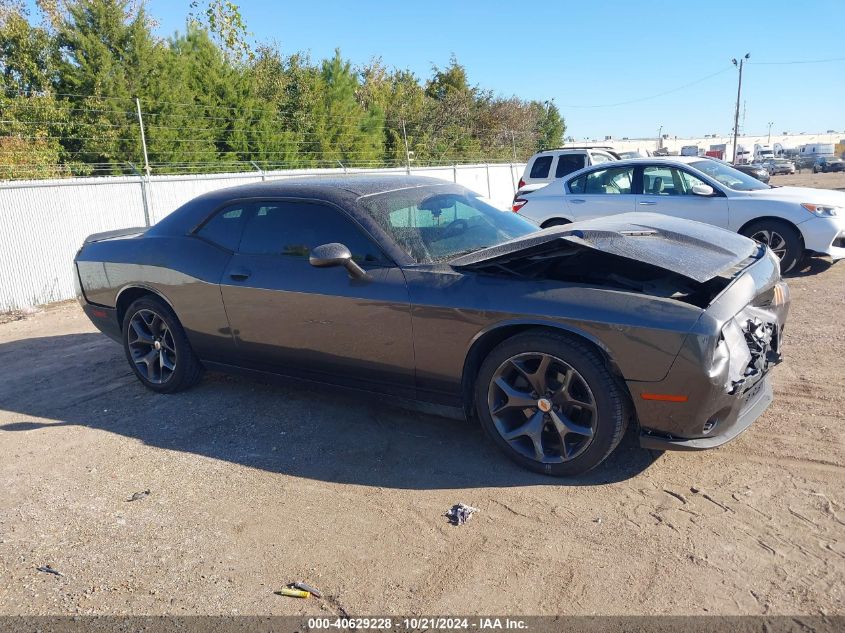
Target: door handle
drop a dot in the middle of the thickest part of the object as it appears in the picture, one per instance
(239, 274)
(648, 203)
(577, 200)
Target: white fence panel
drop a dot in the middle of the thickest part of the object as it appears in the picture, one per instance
(43, 223)
(168, 193)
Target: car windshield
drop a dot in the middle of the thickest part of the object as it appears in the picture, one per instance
(437, 223)
(728, 176)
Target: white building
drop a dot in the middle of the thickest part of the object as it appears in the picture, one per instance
(674, 143)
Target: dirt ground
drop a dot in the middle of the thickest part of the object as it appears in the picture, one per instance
(808, 179)
(252, 486)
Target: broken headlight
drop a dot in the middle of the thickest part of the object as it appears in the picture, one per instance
(822, 210)
(739, 356)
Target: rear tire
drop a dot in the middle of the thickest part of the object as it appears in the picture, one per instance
(157, 348)
(561, 418)
(783, 238)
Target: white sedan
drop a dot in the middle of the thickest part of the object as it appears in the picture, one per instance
(790, 220)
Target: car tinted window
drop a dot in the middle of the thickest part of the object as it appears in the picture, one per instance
(600, 158)
(295, 228)
(225, 228)
(541, 167)
(615, 180)
(567, 163)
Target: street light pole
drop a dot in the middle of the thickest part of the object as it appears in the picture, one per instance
(771, 123)
(738, 94)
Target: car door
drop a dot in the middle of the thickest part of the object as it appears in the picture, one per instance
(290, 317)
(601, 192)
(667, 189)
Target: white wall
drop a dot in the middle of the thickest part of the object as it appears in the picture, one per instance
(43, 223)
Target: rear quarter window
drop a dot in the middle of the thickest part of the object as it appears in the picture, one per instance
(225, 228)
(541, 167)
(568, 163)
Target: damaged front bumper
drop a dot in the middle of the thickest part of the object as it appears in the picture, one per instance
(736, 418)
(719, 383)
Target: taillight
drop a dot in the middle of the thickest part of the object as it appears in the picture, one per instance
(518, 203)
(521, 183)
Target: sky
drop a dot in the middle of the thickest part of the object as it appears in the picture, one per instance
(592, 53)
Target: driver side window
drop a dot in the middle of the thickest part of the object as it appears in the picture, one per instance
(293, 229)
(689, 181)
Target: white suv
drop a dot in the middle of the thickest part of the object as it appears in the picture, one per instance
(544, 167)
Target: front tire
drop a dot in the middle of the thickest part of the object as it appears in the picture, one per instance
(157, 348)
(550, 403)
(783, 238)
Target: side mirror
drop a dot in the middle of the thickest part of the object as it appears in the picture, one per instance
(334, 254)
(702, 190)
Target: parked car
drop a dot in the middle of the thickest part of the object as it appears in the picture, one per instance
(778, 166)
(417, 288)
(790, 220)
(633, 154)
(546, 166)
(827, 164)
(755, 170)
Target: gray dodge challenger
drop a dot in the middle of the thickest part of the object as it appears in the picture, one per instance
(554, 340)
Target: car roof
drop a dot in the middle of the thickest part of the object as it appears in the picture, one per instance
(583, 148)
(646, 161)
(341, 190)
(357, 184)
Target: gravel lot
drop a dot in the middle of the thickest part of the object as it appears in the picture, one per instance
(808, 179)
(254, 485)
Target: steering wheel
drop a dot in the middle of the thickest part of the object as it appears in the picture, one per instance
(455, 227)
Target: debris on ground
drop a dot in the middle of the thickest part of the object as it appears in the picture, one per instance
(47, 569)
(678, 495)
(460, 513)
(17, 315)
(306, 587)
(139, 495)
(293, 593)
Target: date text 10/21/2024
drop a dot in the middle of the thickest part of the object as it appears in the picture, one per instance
(420, 623)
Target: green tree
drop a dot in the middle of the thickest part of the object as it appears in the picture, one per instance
(107, 55)
(550, 126)
(345, 131)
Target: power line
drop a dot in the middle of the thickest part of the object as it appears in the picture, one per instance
(806, 61)
(654, 96)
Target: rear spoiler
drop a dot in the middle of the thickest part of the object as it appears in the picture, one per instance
(109, 235)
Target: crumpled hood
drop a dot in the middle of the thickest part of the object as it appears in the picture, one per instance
(801, 194)
(694, 250)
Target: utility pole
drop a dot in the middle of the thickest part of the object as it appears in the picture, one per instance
(143, 137)
(407, 151)
(771, 123)
(738, 95)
